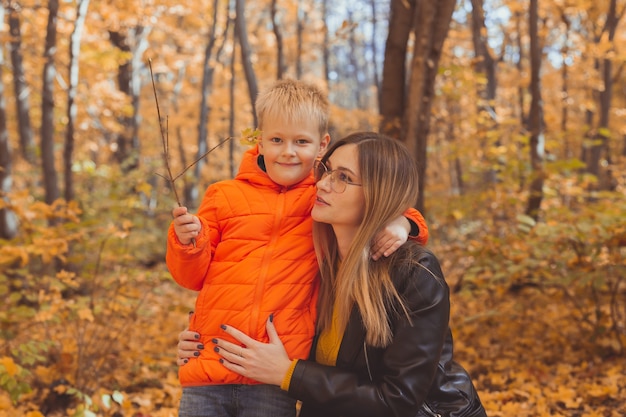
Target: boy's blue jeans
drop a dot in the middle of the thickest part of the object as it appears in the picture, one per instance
(236, 401)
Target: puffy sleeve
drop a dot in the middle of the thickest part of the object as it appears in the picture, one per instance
(419, 228)
(189, 264)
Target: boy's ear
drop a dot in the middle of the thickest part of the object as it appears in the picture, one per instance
(324, 145)
(260, 145)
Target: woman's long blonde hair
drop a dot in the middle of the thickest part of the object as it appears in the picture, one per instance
(389, 178)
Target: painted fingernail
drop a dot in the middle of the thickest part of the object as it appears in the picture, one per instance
(197, 336)
(221, 360)
(272, 318)
(200, 346)
(216, 349)
(196, 354)
(223, 326)
(186, 360)
(214, 341)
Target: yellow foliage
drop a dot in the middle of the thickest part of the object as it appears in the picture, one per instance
(86, 314)
(250, 136)
(12, 254)
(9, 366)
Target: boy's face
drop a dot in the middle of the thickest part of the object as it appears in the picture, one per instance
(290, 149)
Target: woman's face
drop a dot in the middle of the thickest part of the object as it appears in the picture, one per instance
(344, 210)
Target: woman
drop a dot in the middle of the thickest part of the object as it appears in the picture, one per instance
(384, 347)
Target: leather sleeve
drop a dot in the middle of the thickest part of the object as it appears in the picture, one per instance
(408, 365)
(189, 264)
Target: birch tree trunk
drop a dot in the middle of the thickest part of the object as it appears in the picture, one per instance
(8, 220)
(75, 38)
(135, 43)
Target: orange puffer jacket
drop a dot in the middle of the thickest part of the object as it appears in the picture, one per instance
(254, 257)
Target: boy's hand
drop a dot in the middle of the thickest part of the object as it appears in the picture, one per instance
(187, 226)
(390, 237)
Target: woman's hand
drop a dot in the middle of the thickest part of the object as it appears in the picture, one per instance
(264, 362)
(188, 346)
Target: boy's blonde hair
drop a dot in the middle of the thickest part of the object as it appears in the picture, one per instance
(294, 101)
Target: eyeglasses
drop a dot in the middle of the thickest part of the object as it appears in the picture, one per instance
(339, 178)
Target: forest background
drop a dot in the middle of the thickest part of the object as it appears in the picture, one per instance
(514, 110)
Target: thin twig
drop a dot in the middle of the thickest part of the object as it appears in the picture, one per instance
(164, 140)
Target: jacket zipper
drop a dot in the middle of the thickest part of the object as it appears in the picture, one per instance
(429, 410)
(367, 362)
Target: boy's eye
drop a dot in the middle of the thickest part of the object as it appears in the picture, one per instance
(302, 141)
(276, 140)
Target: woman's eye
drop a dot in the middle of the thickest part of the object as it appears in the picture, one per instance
(342, 176)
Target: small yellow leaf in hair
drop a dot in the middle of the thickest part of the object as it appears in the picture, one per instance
(249, 136)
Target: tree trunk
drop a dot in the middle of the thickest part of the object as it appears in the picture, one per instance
(47, 107)
(8, 220)
(129, 82)
(374, 46)
(535, 116)
(486, 66)
(600, 149)
(432, 21)
(246, 52)
(22, 92)
(280, 55)
(393, 99)
(81, 12)
(326, 44)
(520, 69)
(354, 71)
(565, 88)
(192, 193)
(301, 18)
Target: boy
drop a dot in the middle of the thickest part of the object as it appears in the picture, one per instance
(253, 255)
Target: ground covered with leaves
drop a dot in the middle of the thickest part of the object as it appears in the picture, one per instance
(537, 314)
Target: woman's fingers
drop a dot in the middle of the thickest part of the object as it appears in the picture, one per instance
(188, 335)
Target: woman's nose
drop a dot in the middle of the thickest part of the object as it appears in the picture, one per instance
(324, 183)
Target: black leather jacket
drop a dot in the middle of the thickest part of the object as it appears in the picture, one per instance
(414, 376)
